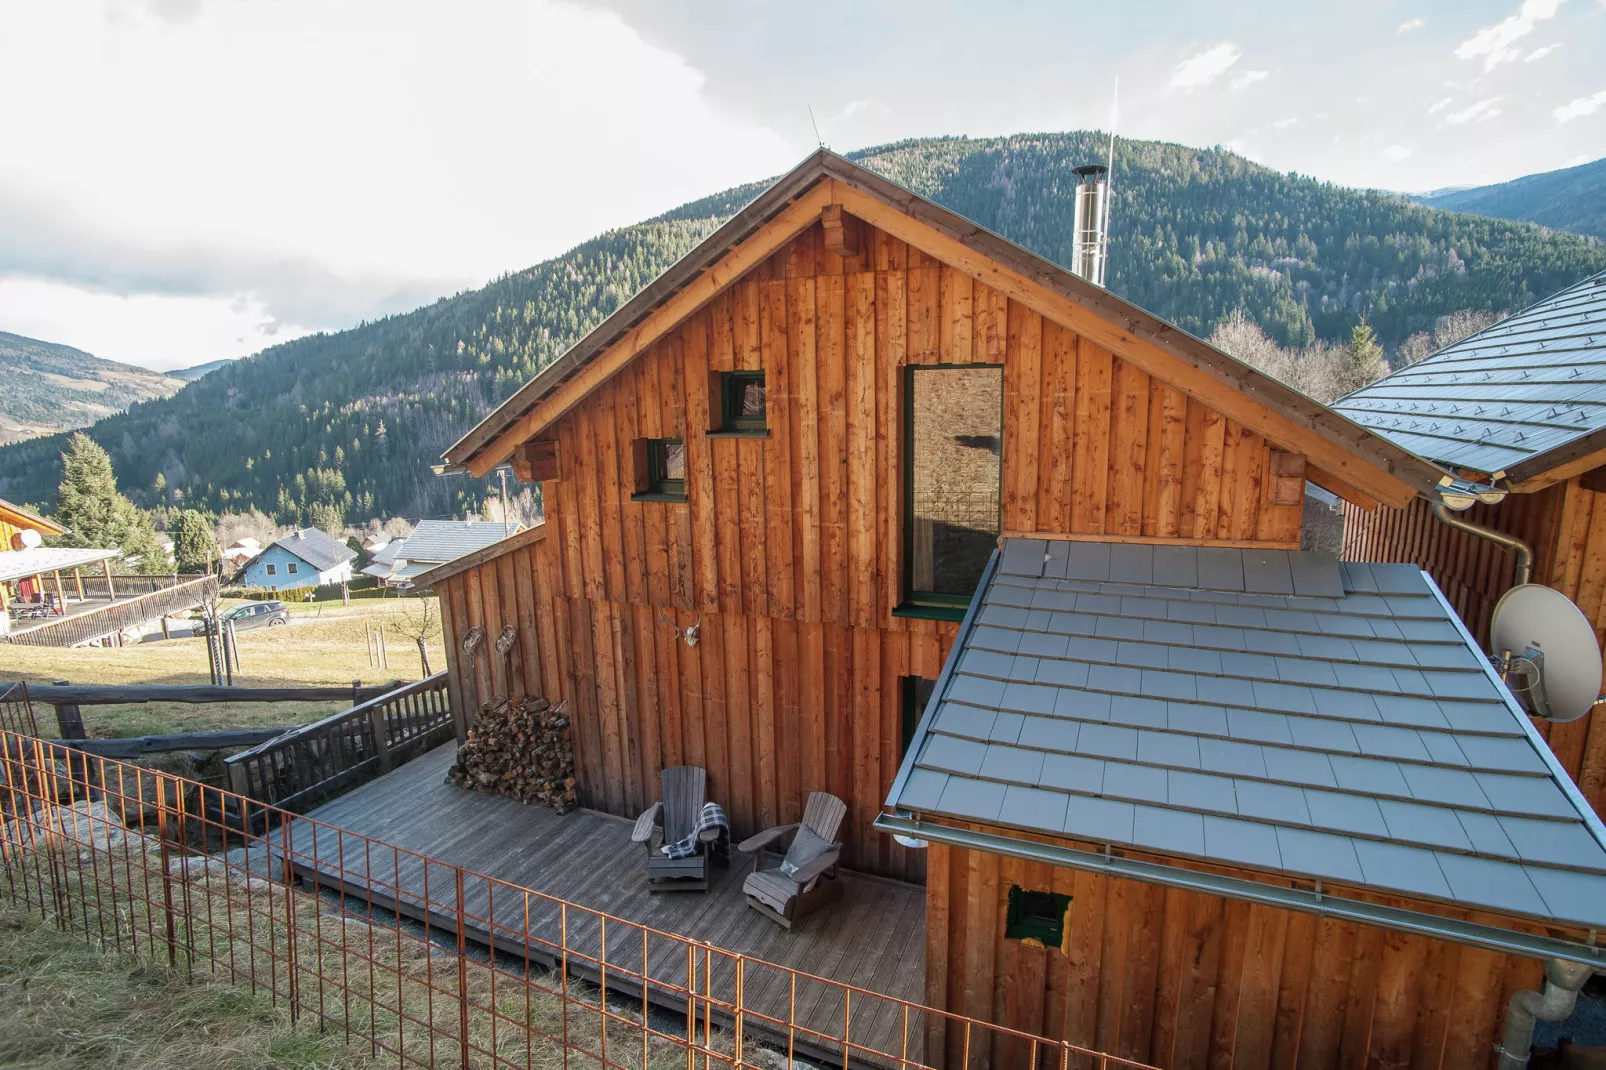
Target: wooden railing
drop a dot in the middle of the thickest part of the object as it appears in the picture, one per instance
(127, 586)
(319, 759)
(91, 624)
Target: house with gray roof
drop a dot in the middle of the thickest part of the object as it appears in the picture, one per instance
(433, 543)
(304, 558)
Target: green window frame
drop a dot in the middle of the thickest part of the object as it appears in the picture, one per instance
(917, 692)
(737, 415)
(1037, 916)
(660, 465)
(978, 427)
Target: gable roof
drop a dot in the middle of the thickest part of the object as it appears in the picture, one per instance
(435, 542)
(21, 564)
(1266, 709)
(1518, 399)
(315, 548)
(17, 516)
(1350, 453)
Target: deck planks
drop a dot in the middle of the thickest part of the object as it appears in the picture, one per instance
(873, 938)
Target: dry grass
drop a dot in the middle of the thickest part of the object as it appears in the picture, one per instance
(324, 644)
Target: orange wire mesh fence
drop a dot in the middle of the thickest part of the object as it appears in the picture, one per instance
(16, 711)
(415, 962)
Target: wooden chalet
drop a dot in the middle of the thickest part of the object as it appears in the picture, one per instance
(1520, 409)
(774, 481)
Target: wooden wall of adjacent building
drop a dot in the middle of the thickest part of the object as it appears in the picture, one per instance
(1188, 980)
(787, 553)
(1566, 527)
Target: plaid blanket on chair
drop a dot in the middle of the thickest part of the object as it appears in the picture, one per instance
(712, 817)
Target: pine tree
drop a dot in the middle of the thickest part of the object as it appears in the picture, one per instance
(194, 544)
(1365, 354)
(88, 505)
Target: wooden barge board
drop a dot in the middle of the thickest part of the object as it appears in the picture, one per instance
(873, 939)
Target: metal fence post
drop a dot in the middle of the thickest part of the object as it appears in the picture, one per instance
(289, 910)
(462, 968)
(167, 874)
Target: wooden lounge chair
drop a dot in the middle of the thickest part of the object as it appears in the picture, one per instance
(673, 819)
(803, 881)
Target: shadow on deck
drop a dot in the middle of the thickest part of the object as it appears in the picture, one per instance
(523, 859)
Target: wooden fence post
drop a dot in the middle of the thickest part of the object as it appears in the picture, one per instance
(69, 718)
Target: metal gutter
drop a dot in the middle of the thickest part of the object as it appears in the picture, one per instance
(1524, 552)
(1315, 902)
(965, 627)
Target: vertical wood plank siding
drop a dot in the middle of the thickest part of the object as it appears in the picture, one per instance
(1192, 981)
(787, 553)
(1566, 526)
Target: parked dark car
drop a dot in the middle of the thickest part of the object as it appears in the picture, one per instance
(253, 615)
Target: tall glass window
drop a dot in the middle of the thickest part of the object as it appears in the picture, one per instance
(954, 433)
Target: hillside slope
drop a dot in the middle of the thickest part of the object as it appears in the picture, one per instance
(50, 387)
(357, 417)
(1573, 198)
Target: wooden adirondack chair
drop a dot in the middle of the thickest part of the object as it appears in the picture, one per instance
(788, 897)
(672, 820)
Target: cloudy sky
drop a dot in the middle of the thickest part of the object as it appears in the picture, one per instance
(185, 180)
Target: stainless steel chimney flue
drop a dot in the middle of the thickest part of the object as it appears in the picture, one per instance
(1088, 223)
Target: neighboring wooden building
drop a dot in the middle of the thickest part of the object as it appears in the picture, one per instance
(907, 361)
(14, 520)
(1520, 406)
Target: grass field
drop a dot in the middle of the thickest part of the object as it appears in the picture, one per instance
(323, 644)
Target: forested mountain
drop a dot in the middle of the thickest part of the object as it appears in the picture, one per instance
(355, 418)
(45, 387)
(191, 374)
(1573, 198)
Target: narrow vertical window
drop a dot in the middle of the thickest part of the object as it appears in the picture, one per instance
(953, 436)
(916, 696)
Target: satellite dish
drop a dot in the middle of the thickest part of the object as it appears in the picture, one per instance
(1545, 650)
(29, 538)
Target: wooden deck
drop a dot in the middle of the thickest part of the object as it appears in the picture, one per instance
(873, 939)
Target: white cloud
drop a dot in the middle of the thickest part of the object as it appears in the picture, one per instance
(1397, 152)
(1496, 44)
(1540, 53)
(1439, 106)
(1203, 68)
(1409, 26)
(1577, 109)
(853, 108)
(1481, 112)
(1249, 78)
(1283, 124)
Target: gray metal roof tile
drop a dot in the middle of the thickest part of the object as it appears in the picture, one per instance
(1057, 553)
(1398, 578)
(980, 799)
(1202, 791)
(1267, 572)
(1221, 568)
(971, 722)
(1231, 757)
(1062, 674)
(1044, 644)
(1175, 633)
(1331, 647)
(1191, 613)
(1118, 627)
(1219, 637)
(1445, 656)
(1006, 728)
(1072, 624)
(1382, 652)
(1486, 834)
(1141, 655)
(1196, 717)
(1368, 776)
(1098, 604)
(1500, 885)
(1049, 733)
(1256, 666)
(975, 689)
(1029, 698)
(1086, 648)
(1052, 599)
(953, 755)
(1247, 842)
(1316, 575)
(986, 637)
(1194, 660)
(1230, 689)
(1100, 820)
(1023, 668)
(1578, 897)
(1482, 717)
(1237, 616)
(1002, 616)
(1344, 625)
(1083, 705)
(1138, 712)
(1283, 644)
(1293, 698)
(1312, 768)
(1345, 705)
(1318, 854)
(1525, 795)
(1387, 741)
(1168, 748)
(1073, 772)
(1495, 753)
(1431, 826)
(1443, 747)
(1452, 787)
(1038, 620)
(923, 789)
(1024, 557)
(1126, 780)
(1320, 734)
(1306, 671)
(1430, 631)
(1271, 802)
(1291, 620)
(1033, 807)
(1457, 684)
(987, 663)
(1407, 869)
(1109, 741)
(1561, 843)
(1015, 764)
(1411, 681)
(1386, 630)
(1259, 726)
(1365, 678)
(1120, 679)
(1169, 685)
(1176, 566)
(1164, 829)
(1345, 812)
(1132, 563)
(1087, 561)
(1406, 710)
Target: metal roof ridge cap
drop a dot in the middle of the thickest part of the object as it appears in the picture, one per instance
(1420, 923)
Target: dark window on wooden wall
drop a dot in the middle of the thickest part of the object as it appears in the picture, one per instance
(660, 469)
(741, 398)
(1037, 916)
(916, 696)
(953, 441)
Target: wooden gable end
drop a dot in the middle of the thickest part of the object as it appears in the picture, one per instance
(805, 522)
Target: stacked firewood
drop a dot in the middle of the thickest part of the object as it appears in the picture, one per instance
(522, 750)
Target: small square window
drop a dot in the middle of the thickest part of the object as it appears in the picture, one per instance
(660, 469)
(1037, 916)
(273, 570)
(291, 567)
(742, 401)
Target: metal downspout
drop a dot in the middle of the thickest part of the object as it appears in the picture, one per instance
(1553, 1004)
(1525, 554)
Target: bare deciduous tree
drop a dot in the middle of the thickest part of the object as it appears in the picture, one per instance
(1447, 330)
(421, 625)
(1323, 371)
